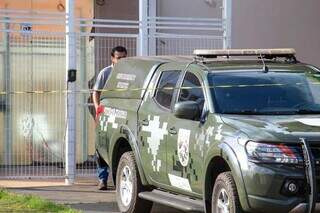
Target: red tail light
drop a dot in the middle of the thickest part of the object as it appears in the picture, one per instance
(286, 150)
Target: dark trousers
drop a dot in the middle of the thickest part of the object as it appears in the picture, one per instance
(102, 167)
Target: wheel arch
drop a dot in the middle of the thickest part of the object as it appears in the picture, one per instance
(220, 160)
(121, 143)
(121, 146)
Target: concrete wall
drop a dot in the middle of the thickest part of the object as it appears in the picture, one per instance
(261, 23)
(274, 23)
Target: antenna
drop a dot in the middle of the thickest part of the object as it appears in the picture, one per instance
(265, 67)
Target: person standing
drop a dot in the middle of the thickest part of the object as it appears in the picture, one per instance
(117, 53)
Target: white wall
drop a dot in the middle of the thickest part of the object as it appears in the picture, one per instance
(274, 23)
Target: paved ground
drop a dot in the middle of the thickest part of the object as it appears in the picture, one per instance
(83, 195)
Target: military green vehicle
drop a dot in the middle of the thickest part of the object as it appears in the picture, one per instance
(220, 131)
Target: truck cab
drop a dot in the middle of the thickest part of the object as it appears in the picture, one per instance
(213, 132)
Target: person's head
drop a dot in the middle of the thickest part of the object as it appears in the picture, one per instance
(117, 53)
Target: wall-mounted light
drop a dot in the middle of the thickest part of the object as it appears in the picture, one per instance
(100, 2)
(212, 3)
(61, 7)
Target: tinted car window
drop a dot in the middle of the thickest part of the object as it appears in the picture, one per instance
(191, 90)
(167, 82)
(266, 93)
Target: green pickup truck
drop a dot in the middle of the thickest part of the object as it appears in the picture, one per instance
(221, 131)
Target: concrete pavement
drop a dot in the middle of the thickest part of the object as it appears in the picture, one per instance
(83, 195)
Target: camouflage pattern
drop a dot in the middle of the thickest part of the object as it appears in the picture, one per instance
(181, 162)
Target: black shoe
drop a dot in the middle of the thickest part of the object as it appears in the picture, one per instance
(102, 185)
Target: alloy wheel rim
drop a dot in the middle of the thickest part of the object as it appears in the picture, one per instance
(126, 186)
(223, 202)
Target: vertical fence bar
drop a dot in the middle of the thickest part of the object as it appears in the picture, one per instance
(152, 30)
(227, 17)
(7, 86)
(83, 76)
(143, 30)
(71, 55)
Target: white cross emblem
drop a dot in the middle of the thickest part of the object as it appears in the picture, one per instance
(157, 135)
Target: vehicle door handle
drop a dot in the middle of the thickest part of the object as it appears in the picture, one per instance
(172, 131)
(145, 122)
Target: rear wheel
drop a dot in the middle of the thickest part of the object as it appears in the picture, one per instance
(128, 186)
(225, 196)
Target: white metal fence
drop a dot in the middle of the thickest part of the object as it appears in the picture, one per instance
(33, 86)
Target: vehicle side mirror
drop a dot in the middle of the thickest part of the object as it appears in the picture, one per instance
(187, 110)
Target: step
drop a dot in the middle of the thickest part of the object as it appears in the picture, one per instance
(176, 201)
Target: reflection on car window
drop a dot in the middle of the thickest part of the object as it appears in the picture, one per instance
(268, 93)
(164, 92)
(191, 90)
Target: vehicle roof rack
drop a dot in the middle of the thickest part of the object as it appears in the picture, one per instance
(288, 53)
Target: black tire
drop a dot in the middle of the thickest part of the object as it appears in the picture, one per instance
(225, 185)
(136, 204)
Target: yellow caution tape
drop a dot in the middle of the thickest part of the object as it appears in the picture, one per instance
(140, 89)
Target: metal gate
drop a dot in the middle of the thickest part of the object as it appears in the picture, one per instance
(33, 87)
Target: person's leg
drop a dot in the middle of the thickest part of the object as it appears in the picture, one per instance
(103, 171)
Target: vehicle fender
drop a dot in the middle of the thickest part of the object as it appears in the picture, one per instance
(224, 151)
(126, 133)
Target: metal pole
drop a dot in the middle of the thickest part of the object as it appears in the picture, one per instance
(7, 87)
(143, 30)
(84, 110)
(152, 30)
(227, 17)
(71, 95)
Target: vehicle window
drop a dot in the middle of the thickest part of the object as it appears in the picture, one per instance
(165, 88)
(267, 94)
(191, 90)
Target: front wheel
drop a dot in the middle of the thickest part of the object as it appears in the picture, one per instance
(129, 185)
(225, 196)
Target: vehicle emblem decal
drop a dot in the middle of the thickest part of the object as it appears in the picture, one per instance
(183, 146)
(157, 135)
(127, 77)
(122, 85)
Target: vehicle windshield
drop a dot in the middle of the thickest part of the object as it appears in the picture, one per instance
(272, 93)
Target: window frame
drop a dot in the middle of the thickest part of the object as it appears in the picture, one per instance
(174, 90)
(180, 83)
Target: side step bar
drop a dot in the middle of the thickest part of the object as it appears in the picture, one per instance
(176, 201)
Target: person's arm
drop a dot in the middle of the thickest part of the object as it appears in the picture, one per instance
(99, 84)
(96, 99)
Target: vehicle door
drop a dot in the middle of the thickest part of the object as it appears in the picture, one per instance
(153, 119)
(186, 138)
